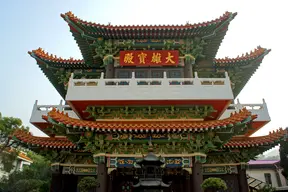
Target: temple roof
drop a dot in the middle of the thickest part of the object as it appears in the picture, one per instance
(56, 117)
(21, 154)
(246, 142)
(236, 142)
(241, 59)
(240, 69)
(86, 33)
(43, 142)
(40, 53)
(146, 31)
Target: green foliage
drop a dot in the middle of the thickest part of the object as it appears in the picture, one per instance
(7, 126)
(284, 158)
(87, 183)
(267, 188)
(26, 185)
(7, 160)
(33, 178)
(213, 183)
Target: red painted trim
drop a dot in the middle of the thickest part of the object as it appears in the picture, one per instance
(219, 105)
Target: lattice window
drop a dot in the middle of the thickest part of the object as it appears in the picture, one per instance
(157, 74)
(124, 74)
(141, 74)
(174, 74)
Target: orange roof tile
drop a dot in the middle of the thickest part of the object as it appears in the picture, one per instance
(53, 58)
(248, 56)
(245, 142)
(75, 19)
(55, 142)
(151, 125)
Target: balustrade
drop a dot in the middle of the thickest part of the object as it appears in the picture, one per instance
(150, 81)
(40, 110)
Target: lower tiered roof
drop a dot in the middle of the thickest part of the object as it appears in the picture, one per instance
(238, 120)
(43, 142)
(268, 141)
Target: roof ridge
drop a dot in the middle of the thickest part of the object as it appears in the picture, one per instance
(74, 18)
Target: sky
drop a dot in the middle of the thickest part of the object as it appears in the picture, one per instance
(27, 25)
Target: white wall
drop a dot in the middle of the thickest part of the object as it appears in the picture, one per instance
(259, 174)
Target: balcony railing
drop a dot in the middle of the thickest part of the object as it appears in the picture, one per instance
(39, 110)
(256, 109)
(150, 88)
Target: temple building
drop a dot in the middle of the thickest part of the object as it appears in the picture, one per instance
(142, 88)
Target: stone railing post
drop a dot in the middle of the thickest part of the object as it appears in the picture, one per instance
(196, 80)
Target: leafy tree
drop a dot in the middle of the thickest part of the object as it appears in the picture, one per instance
(33, 178)
(7, 159)
(284, 158)
(213, 184)
(87, 183)
(7, 126)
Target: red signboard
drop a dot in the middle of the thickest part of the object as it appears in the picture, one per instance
(149, 57)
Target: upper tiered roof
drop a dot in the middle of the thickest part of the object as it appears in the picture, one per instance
(86, 33)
